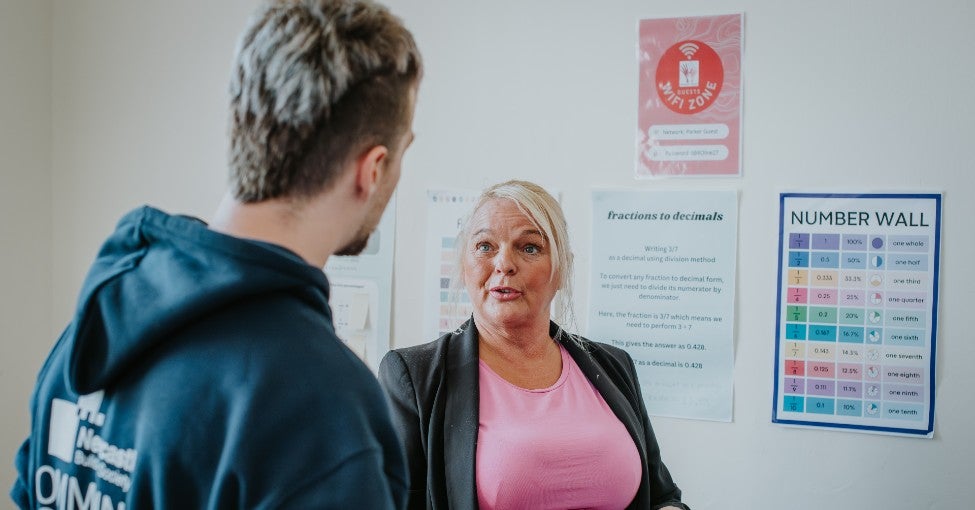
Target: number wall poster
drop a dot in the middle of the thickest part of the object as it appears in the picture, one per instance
(856, 318)
(689, 114)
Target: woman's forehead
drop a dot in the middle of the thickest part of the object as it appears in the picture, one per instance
(501, 214)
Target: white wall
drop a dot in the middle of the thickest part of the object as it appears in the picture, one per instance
(140, 108)
(861, 96)
(25, 215)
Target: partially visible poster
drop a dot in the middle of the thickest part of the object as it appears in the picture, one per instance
(355, 306)
(689, 115)
(663, 288)
(857, 309)
(361, 292)
(446, 304)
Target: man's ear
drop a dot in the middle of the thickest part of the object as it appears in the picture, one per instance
(367, 169)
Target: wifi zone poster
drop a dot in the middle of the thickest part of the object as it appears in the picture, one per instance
(690, 93)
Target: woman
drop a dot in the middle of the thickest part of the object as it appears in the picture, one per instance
(510, 411)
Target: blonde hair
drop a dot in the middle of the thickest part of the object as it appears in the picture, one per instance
(546, 215)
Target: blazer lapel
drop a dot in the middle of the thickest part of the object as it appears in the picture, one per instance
(461, 418)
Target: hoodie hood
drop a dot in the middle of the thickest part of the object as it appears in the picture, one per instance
(157, 273)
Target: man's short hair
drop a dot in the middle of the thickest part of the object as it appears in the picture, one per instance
(315, 83)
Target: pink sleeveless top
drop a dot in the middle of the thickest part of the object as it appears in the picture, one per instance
(553, 448)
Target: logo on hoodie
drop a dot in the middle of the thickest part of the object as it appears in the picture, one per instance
(73, 438)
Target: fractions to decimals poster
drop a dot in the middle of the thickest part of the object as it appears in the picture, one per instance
(857, 311)
(662, 287)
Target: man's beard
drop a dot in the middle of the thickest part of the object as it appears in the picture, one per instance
(361, 239)
(357, 244)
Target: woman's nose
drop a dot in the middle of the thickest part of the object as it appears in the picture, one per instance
(504, 262)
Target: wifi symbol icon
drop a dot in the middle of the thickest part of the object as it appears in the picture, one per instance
(689, 49)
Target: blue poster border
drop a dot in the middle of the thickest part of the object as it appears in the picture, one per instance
(937, 197)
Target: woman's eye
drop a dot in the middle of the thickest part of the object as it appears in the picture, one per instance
(531, 249)
(482, 247)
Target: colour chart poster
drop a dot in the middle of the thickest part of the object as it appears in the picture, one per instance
(446, 304)
(690, 90)
(857, 312)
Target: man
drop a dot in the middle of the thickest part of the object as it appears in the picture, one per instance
(202, 369)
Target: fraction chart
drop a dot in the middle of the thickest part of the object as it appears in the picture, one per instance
(857, 309)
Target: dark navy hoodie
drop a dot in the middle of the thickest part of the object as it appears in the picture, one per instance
(203, 371)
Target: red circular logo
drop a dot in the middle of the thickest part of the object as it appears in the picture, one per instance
(689, 77)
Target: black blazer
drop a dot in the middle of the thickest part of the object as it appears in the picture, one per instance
(433, 392)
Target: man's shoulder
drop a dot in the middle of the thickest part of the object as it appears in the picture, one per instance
(270, 340)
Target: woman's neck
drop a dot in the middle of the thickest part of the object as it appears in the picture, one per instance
(526, 356)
